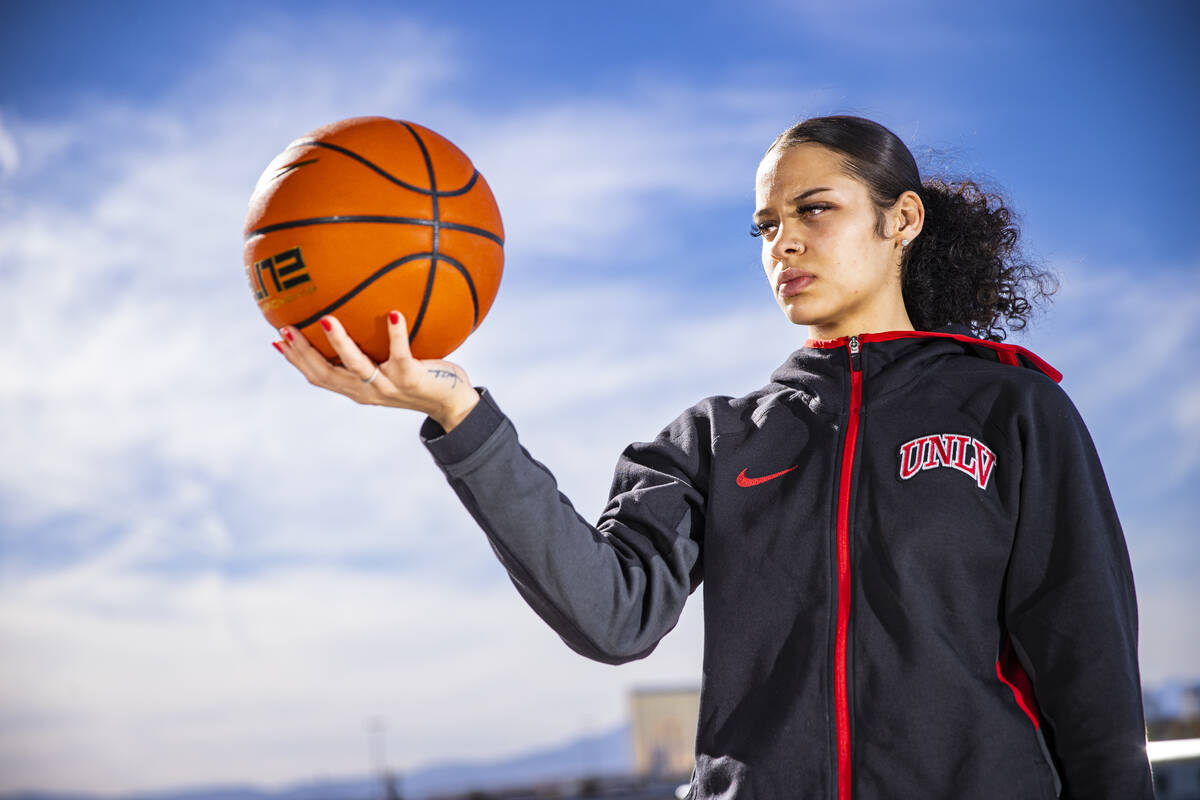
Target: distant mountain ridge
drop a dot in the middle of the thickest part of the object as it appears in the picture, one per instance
(602, 754)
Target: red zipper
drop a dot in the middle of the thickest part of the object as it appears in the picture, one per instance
(843, 562)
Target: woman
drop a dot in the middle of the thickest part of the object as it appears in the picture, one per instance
(916, 582)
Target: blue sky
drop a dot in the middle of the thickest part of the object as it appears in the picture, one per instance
(211, 572)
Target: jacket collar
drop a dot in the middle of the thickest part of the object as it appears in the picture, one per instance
(895, 355)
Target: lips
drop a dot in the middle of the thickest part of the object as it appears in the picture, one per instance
(793, 281)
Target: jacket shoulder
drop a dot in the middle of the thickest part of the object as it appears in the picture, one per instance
(726, 414)
(1028, 408)
(969, 368)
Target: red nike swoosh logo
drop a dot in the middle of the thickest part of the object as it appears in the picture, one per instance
(746, 483)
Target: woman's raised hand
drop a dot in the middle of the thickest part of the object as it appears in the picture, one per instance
(438, 388)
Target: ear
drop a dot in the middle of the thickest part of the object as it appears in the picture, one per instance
(908, 217)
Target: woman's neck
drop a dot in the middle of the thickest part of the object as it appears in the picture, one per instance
(895, 320)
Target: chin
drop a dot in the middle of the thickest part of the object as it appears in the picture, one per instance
(798, 315)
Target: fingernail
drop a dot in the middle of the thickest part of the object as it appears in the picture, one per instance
(394, 317)
(286, 333)
(326, 325)
(278, 347)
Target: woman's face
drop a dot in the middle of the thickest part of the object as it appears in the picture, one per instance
(828, 268)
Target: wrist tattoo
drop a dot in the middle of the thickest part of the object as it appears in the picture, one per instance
(445, 374)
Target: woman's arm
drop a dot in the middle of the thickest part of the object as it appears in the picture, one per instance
(611, 591)
(1071, 609)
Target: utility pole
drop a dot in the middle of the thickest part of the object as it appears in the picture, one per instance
(377, 747)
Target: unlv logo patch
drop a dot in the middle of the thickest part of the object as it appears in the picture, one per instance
(963, 453)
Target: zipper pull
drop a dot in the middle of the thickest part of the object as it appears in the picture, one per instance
(855, 363)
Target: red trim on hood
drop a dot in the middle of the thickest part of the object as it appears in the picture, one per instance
(1007, 353)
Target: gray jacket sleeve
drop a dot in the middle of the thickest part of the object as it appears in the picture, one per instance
(613, 590)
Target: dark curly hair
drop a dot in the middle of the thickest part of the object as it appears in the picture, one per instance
(965, 266)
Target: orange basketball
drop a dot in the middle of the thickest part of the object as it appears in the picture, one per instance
(368, 215)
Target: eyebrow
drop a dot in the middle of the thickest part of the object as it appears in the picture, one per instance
(798, 198)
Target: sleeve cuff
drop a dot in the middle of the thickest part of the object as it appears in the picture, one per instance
(468, 436)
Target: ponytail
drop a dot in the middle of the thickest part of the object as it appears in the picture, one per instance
(966, 266)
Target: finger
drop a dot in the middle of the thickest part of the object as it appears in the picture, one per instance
(355, 359)
(398, 337)
(306, 358)
(293, 358)
(320, 372)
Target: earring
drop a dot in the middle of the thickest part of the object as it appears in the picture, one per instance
(904, 242)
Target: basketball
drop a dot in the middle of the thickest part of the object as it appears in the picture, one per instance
(371, 214)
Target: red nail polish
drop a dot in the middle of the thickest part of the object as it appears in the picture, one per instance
(394, 317)
(278, 346)
(288, 335)
(326, 325)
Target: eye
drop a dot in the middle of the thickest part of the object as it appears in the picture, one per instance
(816, 207)
(760, 228)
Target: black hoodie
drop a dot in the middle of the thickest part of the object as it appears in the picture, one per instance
(916, 584)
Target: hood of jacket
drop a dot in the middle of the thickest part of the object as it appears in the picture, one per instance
(889, 360)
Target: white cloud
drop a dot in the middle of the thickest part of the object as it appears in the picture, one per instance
(574, 177)
(1122, 336)
(874, 27)
(135, 353)
(9, 156)
(150, 680)
(1185, 413)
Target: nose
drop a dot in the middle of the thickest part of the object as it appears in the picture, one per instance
(784, 246)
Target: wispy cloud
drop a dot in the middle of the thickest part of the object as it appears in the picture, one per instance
(1123, 337)
(9, 157)
(879, 27)
(148, 680)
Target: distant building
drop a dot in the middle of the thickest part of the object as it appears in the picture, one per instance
(663, 730)
(1173, 710)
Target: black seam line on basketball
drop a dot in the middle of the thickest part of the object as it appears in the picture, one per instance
(470, 285)
(412, 334)
(433, 196)
(294, 165)
(341, 301)
(466, 187)
(384, 173)
(340, 218)
(435, 218)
